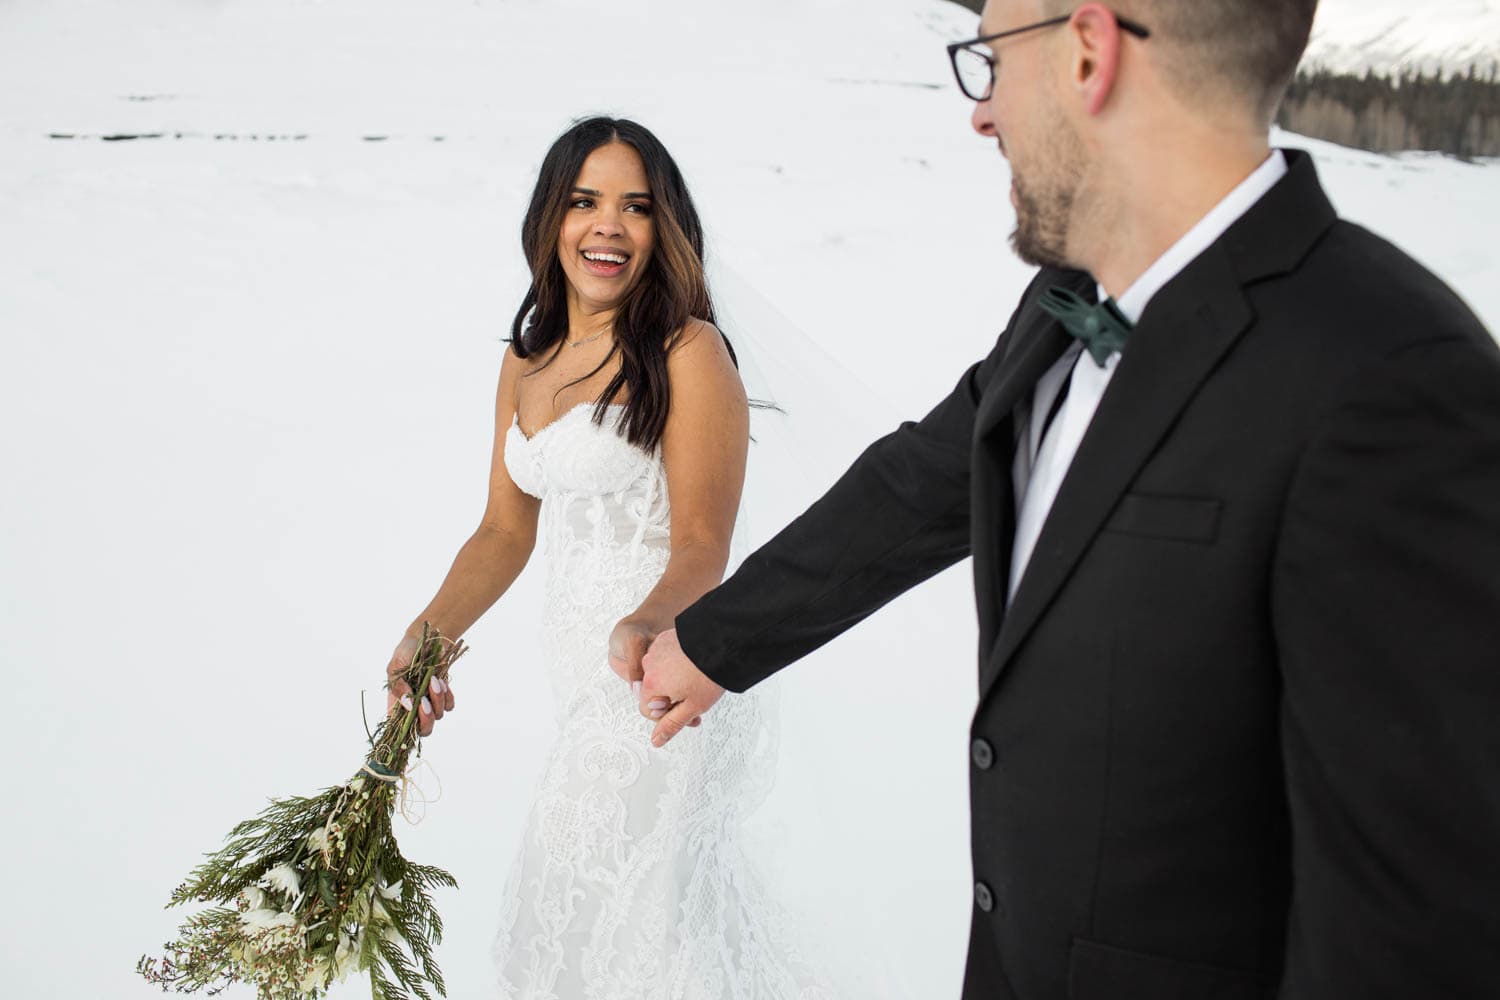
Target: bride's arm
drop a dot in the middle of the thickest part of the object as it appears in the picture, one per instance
(704, 446)
(488, 563)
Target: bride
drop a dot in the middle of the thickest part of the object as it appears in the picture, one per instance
(618, 393)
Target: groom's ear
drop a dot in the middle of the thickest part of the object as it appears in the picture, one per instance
(1096, 54)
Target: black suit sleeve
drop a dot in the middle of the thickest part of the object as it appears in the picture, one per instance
(1386, 603)
(898, 516)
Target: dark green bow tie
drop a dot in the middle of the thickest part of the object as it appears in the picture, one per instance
(1102, 328)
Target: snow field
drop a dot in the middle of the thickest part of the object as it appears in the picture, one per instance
(248, 399)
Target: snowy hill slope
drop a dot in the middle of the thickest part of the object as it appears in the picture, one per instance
(1393, 36)
(230, 355)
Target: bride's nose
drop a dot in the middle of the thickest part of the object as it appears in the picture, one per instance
(608, 224)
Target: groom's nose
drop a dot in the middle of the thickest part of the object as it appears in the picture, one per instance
(983, 119)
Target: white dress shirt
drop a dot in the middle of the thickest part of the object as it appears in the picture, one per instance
(1044, 453)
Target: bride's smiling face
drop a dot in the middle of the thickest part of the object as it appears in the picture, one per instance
(607, 232)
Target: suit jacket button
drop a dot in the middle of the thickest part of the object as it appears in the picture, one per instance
(983, 898)
(982, 754)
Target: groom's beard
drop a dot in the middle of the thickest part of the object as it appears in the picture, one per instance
(1045, 200)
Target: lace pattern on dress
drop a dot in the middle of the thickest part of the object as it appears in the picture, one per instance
(630, 882)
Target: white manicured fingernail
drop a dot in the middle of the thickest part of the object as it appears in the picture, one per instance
(406, 702)
(426, 706)
(657, 713)
(437, 686)
(658, 704)
(635, 688)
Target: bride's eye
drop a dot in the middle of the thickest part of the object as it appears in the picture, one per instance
(641, 208)
(581, 203)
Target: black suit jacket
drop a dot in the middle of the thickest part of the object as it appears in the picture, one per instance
(1238, 734)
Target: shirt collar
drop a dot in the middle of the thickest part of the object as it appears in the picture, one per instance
(1198, 239)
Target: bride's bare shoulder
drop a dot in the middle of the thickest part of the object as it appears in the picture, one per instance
(699, 353)
(513, 366)
(515, 362)
(698, 341)
(513, 370)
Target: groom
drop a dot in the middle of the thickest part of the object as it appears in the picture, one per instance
(1236, 543)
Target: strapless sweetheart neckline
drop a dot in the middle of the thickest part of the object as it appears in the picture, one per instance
(516, 419)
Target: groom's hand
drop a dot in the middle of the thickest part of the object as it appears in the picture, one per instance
(675, 693)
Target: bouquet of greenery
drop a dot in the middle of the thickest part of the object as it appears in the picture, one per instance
(314, 890)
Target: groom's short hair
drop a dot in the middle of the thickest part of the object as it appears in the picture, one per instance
(1213, 51)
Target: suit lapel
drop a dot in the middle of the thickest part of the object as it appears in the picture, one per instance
(1038, 342)
(1185, 331)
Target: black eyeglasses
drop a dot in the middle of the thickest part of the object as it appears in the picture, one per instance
(975, 68)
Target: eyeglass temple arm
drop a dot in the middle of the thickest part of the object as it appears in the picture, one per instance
(1126, 24)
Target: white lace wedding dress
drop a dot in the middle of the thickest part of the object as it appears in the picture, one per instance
(630, 881)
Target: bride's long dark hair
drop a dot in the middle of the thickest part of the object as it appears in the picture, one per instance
(671, 291)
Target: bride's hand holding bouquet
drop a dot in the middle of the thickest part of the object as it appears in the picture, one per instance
(437, 702)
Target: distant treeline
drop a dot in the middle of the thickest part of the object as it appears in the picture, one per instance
(1459, 115)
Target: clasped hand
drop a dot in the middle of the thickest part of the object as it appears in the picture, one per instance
(671, 690)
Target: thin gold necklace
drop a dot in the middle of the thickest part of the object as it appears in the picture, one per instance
(587, 340)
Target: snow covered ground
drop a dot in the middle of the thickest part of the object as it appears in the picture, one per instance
(246, 404)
